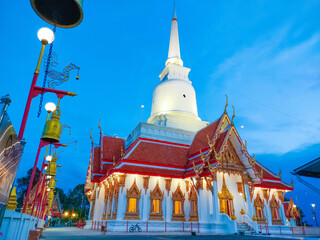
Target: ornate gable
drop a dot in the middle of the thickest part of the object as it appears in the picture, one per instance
(134, 191)
(230, 158)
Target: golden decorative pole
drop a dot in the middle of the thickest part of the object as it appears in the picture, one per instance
(12, 204)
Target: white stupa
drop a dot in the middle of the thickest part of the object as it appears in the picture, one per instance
(174, 99)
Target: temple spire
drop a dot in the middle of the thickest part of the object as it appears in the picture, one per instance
(174, 47)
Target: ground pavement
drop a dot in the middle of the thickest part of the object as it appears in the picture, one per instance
(72, 233)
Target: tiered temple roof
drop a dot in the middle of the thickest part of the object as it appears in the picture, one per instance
(153, 157)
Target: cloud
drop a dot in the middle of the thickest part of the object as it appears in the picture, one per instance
(275, 86)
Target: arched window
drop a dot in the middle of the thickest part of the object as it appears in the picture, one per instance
(133, 197)
(193, 199)
(226, 200)
(274, 206)
(259, 206)
(178, 205)
(156, 197)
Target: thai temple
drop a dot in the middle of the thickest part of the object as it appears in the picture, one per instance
(176, 172)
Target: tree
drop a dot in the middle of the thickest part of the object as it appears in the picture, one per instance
(23, 183)
(77, 200)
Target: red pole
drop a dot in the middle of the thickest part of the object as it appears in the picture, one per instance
(44, 206)
(147, 226)
(41, 144)
(41, 196)
(92, 225)
(127, 226)
(165, 226)
(42, 167)
(27, 108)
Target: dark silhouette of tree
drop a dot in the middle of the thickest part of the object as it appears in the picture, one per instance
(23, 183)
(78, 201)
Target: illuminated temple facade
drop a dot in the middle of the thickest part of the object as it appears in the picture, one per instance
(177, 172)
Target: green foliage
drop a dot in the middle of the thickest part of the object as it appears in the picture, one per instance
(23, 183)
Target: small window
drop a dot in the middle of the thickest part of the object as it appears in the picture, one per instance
(156, 206)
(193, 207)
(132, 204)
(177, 209)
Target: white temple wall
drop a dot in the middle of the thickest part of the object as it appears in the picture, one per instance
(215, 202)
(231, 182)
(100, 203)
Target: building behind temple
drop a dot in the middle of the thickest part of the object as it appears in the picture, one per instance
(178, 172)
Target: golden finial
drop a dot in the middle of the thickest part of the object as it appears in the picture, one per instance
(12, 203)
(114, 161)
(100, 126)
(234, 114)
(91, 136)
(122, 153)
(261, 173)
(225, 107)
(291, 183)
(242, 211)
(252, 161)
(280, 173)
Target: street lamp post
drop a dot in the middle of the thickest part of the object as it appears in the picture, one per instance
(50, 107)
(314, 212)
(46, 36)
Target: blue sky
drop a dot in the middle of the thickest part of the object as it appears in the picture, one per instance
(265, 55)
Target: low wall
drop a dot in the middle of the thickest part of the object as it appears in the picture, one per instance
(158, 226)
(17, 225)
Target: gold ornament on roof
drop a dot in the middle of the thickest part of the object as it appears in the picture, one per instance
(252, 160)
(225, 107)
(233, 116)
(91, 136)
(279, 173)
(254, 218)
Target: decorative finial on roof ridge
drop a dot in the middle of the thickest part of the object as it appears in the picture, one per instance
(225, 107)
(233, 116)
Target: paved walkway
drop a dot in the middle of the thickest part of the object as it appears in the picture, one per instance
(66, 233)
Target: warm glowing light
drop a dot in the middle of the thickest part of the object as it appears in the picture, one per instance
(294, 206)
(66, 214)
(50, 107)
(48, 189)
(73, 214)
(45, 35)
(45, 168)
(49, 158)
(313, 205)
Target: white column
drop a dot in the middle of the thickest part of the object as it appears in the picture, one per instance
(215, 201)
(249, 203)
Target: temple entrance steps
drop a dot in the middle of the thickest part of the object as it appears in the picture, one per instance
(244, 229)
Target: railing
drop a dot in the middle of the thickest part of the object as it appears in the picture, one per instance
(146, 226)
(265, 229)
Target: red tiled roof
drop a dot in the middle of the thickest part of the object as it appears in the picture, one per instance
(112, 147)
(150, 152)
(277, 185)
(200, 141)
(96, 159)
(267, 174)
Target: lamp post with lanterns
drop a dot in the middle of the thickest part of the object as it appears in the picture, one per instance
(51, 135)
(314, 213)
(46, 36)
